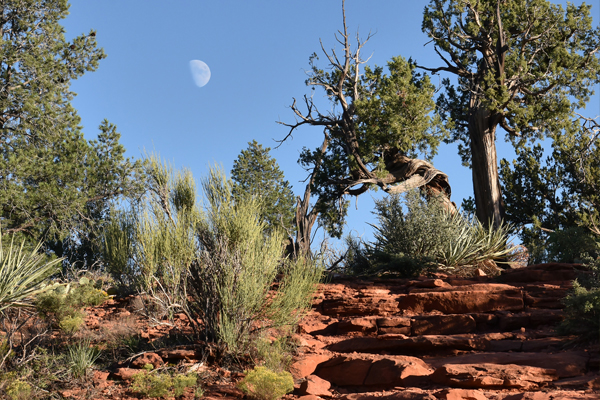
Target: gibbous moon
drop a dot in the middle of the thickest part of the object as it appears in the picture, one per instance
(200, 72)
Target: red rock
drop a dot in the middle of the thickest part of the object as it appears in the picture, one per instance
(462, 302)
(125, 374)
(307, 365)
(359, 370)
(309, 397)
(180, 354)
(443, 325)
(315, 386)
(362, 325)
(550, 272)
(460, 394)
(148, 358)
(411, 345)
(407, 394)
(493, 376)
(567, 363)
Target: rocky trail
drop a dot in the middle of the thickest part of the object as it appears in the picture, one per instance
(442, 338)
(445, 338)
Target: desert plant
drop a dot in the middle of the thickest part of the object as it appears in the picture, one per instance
(415, 234)
(162, 384)
(22, 273)
(264, 384)
(582, 305)
(236, 267)
(19, 390)
(62, 304)
(81, 357)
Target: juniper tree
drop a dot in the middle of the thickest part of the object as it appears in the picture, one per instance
(522, 65)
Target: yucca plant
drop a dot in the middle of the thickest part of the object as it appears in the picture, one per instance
(22, 273)
(81, 358)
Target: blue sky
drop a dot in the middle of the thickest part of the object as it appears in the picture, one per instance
(257, 52)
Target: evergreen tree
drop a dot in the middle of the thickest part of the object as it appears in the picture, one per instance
(255, 173)
(522, 65)
(53, 182)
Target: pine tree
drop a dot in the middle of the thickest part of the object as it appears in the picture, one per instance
(53, 182)
(255, 173)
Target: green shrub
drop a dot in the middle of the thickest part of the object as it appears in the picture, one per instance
(415, 235)
(162, 385)
(264, 384)
(19, 390)
(62, 304)
(22, 273)
(582, 305)
(71, 324)
(569, 244)
(232, 278)
(81, 357)
(275, 355)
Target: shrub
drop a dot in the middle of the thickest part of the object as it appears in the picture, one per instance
(569, 244)
(414, 235)
(263, 384)
(232, 279)
(582, 305)
(162, 385)
(22, 273)
(81, 357)
(19, 390)
(62, 304)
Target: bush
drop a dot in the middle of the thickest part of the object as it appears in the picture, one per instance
(62, 304)
(415, 235)
(232, 278)
(582, 306)
(22, 273)
(264, 384)
(569, 244)
(162, 385)
(81, 357)
(19, 390)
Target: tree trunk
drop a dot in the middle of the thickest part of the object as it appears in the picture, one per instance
(484, 165)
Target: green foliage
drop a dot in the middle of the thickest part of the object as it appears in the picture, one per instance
(264, 384)
(257, 175)
(22, 273)
(548, 59)
(559, 194)
(582, 306)
(81, 357)
(275, 355)
(416, 235)
(217, 264)
(62, 304)
(19, 390)
(71, 323)
(53, 182)
(236, 266)
(524, 65)
(162, 384)
(392, 114)
(118, 240)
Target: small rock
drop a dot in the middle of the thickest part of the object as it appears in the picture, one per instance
(460, 394)
(315, 386)
(125, 374)
(148, 358)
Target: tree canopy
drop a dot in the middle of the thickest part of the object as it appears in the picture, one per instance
(53, 181)
(523, 65)
(382, 119)
(256, 174)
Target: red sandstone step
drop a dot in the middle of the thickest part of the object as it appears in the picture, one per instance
(442, 344)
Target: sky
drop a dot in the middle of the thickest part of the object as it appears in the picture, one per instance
(258, 53)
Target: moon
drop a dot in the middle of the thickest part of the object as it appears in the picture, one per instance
(200, 72)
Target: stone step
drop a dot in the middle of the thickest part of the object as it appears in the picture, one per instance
(399, 344)
(436, 324)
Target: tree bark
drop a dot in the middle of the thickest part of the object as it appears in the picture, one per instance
(484, 165)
